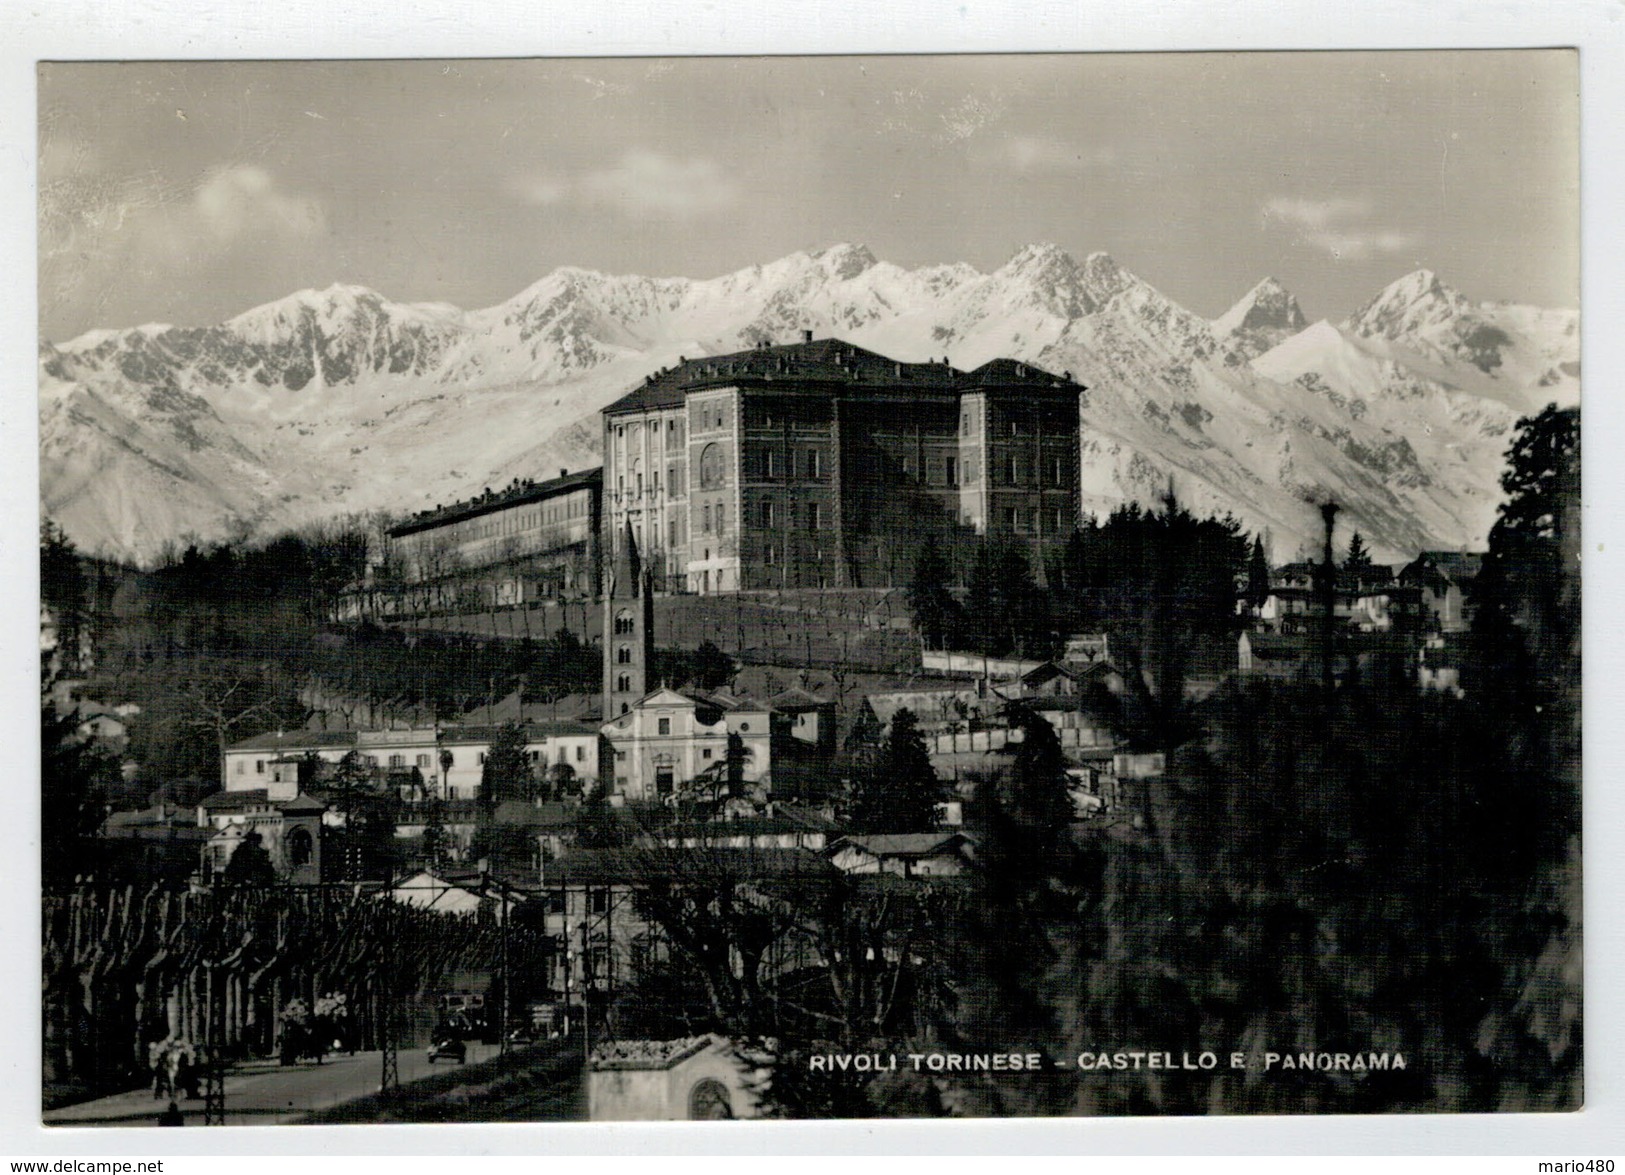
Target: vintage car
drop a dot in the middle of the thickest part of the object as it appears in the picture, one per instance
(448, 1048)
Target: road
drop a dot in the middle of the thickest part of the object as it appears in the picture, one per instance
(261, 1093)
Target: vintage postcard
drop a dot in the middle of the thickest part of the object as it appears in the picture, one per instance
(809, 587)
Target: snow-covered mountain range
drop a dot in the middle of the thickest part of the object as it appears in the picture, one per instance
(341, 401)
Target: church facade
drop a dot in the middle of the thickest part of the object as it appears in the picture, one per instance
(822, 464)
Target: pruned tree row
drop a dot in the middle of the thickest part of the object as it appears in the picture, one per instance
(124, 968)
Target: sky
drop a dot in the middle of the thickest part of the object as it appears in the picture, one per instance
(188, 192)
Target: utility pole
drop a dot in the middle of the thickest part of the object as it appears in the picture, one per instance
(214, 1092)
(389, 1074)
(1328, 602)
(502, 1030)
(586, 999)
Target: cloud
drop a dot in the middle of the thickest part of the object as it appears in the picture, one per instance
(538, 189)
(640, 184)
(98, 231)
(234, 201)
(649, 182)
(1031, 154)
(1334, 226)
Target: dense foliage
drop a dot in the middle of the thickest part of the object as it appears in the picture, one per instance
(894, 787)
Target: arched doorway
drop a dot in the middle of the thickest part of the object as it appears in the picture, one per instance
(709, 1100)
(299, 848)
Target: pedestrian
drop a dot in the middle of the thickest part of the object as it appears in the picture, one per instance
(172, 1116)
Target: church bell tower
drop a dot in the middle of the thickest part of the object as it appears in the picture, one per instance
(628, 629)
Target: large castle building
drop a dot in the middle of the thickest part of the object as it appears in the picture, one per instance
(821, 464)
(525, 542)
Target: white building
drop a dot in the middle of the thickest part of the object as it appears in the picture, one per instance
(445, 761)
(670, 739)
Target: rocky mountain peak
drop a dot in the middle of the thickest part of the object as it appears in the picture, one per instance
(1267, 306)
(1048, 275)
(845, 261)
(1413, 302)
(1266, 315)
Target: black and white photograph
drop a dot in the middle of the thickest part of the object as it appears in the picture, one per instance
(650, 589)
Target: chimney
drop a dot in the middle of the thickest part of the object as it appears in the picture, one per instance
(563, 472)
(806, 336)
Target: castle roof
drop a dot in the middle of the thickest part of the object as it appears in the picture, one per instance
(826, 363)
(516, 493)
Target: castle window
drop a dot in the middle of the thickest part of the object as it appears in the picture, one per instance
(721, 525)
(815, 516)
(964, 423)
(908, 466)
(671, 528)
(665, 726)
(771, 465)
(705, 520)
(397, 760)
(767, 513)
(1012, 470)
(1010, 518)
(623, 655)
(770, 554)
(1057, 470)
(950, 470)
(259, 766)
(623, 684)
(711, 463)
(623, 623)
(814, 463)
(1056, 520)
(240, 767)
(706, 753)
(581, 753)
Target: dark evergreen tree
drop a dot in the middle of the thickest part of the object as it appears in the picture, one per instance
(367, 839)
(898, 789)
(1358, 565)
(1258, 574)
(713, 668)
(1026, 607)
(1005, 612)
(436, 840)
(506, 773)
(250, 864)
(598, 825)
(987, 618)
(62, 592)
(75, 775)
(1018, 928)
(1162, 584)
(930, 602)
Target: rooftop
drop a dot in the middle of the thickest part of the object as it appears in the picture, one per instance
(830, 364)
(284, 741)
(516, 493)
(643, 865)
(905, 844)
